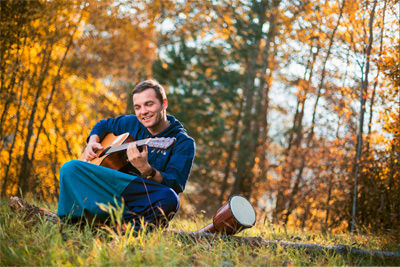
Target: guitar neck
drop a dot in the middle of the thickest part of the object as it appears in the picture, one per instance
(125, 146)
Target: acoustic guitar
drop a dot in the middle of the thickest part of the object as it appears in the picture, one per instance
(113, 155)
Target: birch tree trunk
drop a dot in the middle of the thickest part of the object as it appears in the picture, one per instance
(363, 99)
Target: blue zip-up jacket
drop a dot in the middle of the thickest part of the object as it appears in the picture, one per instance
(174, 164)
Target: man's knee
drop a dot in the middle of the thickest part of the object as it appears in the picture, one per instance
(69, 169)
(170, 201)
(69, 166)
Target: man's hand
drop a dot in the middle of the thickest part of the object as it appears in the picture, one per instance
(138, 159)
(92, 147)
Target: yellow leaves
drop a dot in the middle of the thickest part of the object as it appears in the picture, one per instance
(228, 20)
(314, 212)
(66, 120)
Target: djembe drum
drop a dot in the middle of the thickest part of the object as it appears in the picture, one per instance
(234, 216)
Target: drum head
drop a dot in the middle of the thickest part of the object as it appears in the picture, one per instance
(242, 210)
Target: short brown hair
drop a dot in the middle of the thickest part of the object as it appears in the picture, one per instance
(151, 83)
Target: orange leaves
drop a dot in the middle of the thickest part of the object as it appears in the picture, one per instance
(63, 99)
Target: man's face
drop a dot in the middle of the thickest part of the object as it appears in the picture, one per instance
(148, 109)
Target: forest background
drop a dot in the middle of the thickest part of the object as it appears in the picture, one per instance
(293, 104)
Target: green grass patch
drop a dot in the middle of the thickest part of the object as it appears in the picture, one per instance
(43, 243)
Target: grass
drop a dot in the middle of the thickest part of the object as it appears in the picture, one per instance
(25, 243)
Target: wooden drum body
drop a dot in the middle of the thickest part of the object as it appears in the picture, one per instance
(234, 216)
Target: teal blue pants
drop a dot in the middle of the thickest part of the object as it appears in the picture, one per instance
(83, 186)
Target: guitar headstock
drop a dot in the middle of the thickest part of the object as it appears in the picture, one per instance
(161, 143)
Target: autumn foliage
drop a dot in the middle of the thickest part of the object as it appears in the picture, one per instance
(289, 101)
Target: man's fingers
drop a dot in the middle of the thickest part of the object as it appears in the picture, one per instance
(90, 155)
(132, 151)
(97, 146)
(90, 151)
(132, 147)
(92, 147)
(137, 158)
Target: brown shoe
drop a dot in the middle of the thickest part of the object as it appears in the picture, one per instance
(31, 211)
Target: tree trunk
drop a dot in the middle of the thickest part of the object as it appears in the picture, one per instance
(56, 79)
(257, 242)
(26, 162)
(11, 149)
(296, 187)
(9, 91)
(264, 88)
(245, 158)
(249, 141)
(372, 102)
(231, 150)
(363, 99)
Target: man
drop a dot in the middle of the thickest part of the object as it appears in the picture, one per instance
(149, 189)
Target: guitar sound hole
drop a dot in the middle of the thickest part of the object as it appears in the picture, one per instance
(123, 157)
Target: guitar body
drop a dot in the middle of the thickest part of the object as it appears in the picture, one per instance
(115, 160)
(113, 155)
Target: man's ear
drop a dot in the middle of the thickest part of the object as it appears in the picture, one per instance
(165, 104)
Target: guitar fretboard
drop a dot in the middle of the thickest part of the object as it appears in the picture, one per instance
(125, 146)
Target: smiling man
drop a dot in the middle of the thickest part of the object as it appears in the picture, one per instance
(149, 184)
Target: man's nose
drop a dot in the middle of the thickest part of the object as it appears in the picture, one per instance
(143, 110)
